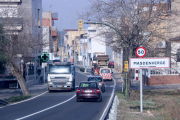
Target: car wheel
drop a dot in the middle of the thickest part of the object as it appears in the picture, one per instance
(74, 85)
(78, 100)
(49, 91)
(100, 99)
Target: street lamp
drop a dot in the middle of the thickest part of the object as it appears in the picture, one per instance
(123, 43)
(61, 38)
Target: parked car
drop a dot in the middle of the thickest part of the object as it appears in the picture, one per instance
(100, 81)
(88, 90)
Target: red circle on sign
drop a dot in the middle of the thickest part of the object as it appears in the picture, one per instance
(140, 52)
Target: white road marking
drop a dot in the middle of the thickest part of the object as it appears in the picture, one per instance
(25, 100)
(112, 94)
(45, 109)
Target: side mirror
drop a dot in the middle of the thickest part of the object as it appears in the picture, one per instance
(112, 72)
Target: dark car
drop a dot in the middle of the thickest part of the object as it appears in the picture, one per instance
(88, 90)
(100, 81)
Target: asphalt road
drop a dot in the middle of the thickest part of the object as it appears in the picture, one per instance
(60, 105)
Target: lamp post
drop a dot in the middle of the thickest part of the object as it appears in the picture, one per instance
(123, 43)
(61, 39)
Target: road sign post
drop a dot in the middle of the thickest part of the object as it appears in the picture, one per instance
(141, 63)
(44, 58)
(141, 92)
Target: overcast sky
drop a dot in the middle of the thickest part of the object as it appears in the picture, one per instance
(66, 9)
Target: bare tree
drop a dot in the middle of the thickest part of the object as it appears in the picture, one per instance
(24, 41)
(141, 23)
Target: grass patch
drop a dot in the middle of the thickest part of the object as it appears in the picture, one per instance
(17, 98)
(157, 105)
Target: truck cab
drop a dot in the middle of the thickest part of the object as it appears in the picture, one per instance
(61, 76)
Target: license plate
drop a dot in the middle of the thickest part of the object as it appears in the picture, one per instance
(88, 91)
(59, 86)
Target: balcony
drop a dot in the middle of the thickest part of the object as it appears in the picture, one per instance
(10, 0)
(54, 16)
(54, 31)
(12, 23)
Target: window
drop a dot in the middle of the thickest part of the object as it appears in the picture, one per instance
(154, 8)
(178, 55)
(145, 8)
(88, 85)
(38, 14)
(98, 79)
(105, 71)
(39, 23)
(59, 69)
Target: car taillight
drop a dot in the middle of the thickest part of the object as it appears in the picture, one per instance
(78, 90)
(97, 91)
(82, 91)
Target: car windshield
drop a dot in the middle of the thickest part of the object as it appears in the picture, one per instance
(105, 71)
(59, 69)
(88, 85)
(98, 79)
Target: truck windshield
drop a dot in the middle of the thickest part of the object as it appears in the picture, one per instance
(59, 69)
(105, 71)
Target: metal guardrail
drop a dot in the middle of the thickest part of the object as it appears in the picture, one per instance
(113, 111)
(2, 102)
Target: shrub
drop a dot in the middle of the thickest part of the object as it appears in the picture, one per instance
(82, 69)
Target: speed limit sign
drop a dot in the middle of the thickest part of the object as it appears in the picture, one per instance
(140, 51)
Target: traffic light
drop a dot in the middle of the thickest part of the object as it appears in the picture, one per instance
(80, 25)
(126, 66)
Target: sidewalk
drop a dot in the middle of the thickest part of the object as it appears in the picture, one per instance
(34, 90)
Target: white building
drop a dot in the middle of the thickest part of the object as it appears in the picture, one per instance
(97, 44)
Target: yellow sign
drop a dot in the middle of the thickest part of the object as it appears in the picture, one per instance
(80, 25)
(126, 66)
(121, 75)
(65, 55)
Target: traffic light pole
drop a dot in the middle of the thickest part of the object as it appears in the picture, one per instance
(124, 45)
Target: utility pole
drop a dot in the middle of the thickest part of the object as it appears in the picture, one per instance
(61, 33)
(125, 49)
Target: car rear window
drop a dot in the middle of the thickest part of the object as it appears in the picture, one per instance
(98, 79)
(88, 85)
(105, 71)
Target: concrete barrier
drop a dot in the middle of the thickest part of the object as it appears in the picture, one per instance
(112, 115)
